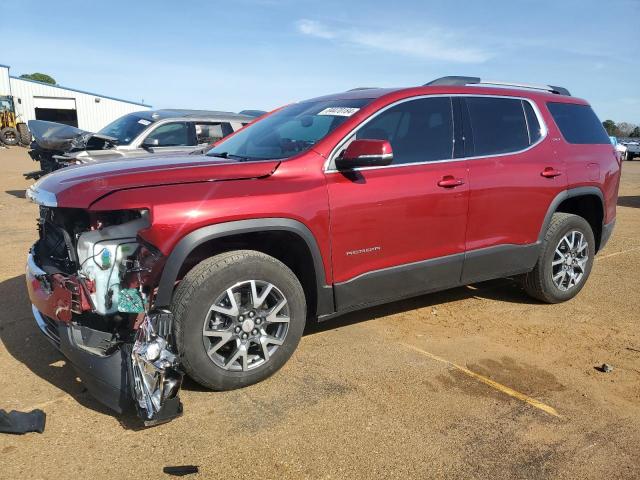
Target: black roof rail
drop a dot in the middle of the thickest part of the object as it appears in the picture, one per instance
(461, 81)
(361, 88)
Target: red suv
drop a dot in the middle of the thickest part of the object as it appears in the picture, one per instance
(212, 265)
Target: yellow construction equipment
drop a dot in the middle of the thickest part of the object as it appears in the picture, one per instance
(12, 129)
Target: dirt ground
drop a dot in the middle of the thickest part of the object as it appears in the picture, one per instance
(440, 386)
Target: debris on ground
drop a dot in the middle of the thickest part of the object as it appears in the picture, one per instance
(181, 470)
(605, 368)
(22, 422)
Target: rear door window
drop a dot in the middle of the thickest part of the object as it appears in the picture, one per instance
(210, 132)
(418, 130)
(578, 123)
(498, 124)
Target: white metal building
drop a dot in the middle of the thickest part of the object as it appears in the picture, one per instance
(41, 101)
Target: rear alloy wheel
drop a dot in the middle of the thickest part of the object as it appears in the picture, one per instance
(238, 318)
(565, 260)
(569, 261)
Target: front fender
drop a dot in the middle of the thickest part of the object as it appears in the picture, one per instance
(187, 244)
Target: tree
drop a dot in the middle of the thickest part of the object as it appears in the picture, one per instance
(39, 77)
(635, 133)
(625, 128)
(610, 127)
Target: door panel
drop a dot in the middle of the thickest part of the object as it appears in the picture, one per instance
(385, 218)
(400, 230)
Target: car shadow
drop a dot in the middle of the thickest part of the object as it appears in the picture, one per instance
(25, 343)
(632, 201)
(502, 290)
(16, 193)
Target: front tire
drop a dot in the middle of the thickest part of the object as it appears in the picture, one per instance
(238, 318)
(565, 260)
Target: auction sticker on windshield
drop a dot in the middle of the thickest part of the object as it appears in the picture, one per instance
(339, 111)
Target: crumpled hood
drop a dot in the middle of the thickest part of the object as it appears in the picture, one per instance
(81, 185)
(61, 137)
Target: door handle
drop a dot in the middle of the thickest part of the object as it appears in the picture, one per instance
(550, 172)
(449, 181)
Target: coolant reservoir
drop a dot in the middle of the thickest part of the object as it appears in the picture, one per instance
(102, 255)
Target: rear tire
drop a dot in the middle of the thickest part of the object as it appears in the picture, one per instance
(565, 260)
(25, 134)
(9, 136)
(229, 330)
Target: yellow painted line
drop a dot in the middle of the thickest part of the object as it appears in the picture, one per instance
(487, 381)
(601, 257)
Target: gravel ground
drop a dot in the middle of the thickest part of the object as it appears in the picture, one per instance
(440, 386)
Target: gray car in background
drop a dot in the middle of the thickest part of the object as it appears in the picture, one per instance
(135, 135)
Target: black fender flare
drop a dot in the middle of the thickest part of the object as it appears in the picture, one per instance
(189, 242)
(564, 195)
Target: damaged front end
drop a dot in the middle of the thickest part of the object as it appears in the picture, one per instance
(54, 144)
(91, 281)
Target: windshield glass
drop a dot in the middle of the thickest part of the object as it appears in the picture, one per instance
(290, 131)
(126, 128)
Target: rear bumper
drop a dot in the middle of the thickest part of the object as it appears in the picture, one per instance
(607, 230)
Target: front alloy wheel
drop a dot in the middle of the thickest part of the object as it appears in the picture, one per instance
(246, 325)
(238, 318)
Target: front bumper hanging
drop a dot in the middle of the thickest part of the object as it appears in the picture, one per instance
(142, 374)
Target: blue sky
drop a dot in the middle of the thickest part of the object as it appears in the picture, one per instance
(238, 54)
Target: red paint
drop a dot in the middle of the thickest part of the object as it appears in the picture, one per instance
(53, 300)
(359, 148)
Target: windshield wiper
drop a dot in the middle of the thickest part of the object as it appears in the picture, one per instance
(230, 156)
(219, 154)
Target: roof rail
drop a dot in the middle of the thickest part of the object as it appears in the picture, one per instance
(357, 89)
(460, 81)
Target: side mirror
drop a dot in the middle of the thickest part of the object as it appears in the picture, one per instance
(365, 153)
(150, 143)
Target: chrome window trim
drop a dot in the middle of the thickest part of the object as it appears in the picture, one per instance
(329, 164)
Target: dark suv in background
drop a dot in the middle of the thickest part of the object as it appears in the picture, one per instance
(213, 264)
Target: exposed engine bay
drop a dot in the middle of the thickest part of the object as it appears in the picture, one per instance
(98, 278)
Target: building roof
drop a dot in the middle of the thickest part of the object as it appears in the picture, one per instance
(79, 91)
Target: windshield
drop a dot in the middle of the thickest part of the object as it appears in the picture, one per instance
(126, 128)
(290, 131)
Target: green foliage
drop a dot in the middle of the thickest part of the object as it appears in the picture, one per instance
(39, 77)
(610, 127)
(621, 129)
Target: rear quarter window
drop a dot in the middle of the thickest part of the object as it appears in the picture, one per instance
(578, 123)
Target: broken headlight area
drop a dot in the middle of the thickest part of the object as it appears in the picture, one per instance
(91, 276)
